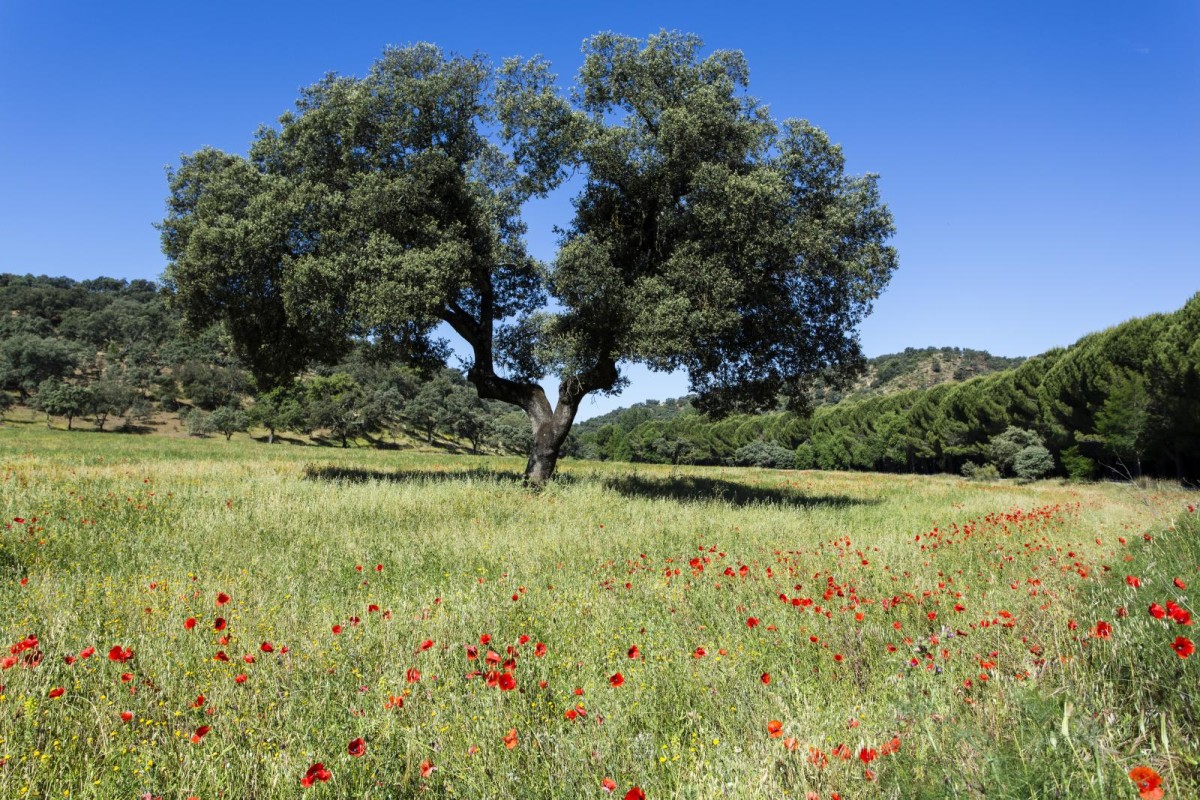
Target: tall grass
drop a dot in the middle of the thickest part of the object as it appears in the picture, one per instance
(133, 536)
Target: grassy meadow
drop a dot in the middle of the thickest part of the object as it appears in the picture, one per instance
(692, 632)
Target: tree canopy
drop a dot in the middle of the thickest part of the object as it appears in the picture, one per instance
(706, 236)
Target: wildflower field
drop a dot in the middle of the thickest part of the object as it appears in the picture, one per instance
(211, 619)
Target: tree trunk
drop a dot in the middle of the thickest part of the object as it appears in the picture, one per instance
(549, 433)
(270, 436)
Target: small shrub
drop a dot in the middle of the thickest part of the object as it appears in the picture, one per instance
(1033, 462)
(1078, 466)
(197, 423)
(980, 472)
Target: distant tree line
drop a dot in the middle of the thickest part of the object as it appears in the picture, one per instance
(107, 349)
(1124, 402)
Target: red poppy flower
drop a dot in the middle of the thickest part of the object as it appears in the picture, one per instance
(616, 679)
(412, 675)
(126, 677)
(539, 649)
(220, 656)
(119, 654)
(357, 747)
(316, 772)
(57, 691)
(219, 624)
(866, 755)
(200, 733)
(87, 652)
(1134, 581)
(337, 629)
(507, 682)
(1183, 646)
(222, 598)
(1148, 783)
(752, 622)
(126, 716)
(1103, 630)
(890, 747)
(765, 678)
(472, 652)
(198, 702)
(1179, 584)
(240, 678)
(608, 785)
(510, 738)
(775, 729)
(427, 768)
(635, 794)
(699, 653)
(634, 652)
(1157, 611)
(426, 645)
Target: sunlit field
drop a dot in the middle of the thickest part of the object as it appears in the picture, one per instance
(210, 619)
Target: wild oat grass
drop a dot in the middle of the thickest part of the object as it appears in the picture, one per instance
(823, 601)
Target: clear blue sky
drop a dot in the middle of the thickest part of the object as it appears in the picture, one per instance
(1042, 160)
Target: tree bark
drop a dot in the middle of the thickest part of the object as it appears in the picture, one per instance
(548, 437)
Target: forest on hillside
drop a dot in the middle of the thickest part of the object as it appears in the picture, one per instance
(1122, 402)
(108, 350)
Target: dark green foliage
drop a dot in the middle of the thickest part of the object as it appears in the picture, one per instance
(765, 454)
(1077, 466)
(26, 360)
(228, 420)
(1004, 447)
(61, 399)
(337, 404)
(1123, 420)
(111, 397)
(281, 409)
(707, 237)
(1119, 401)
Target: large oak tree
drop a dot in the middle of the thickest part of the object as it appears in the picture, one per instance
(706, 236)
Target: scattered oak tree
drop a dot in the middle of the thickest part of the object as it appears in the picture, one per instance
(707, 237)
